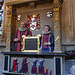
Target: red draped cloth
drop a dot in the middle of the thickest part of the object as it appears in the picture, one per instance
(19, 34)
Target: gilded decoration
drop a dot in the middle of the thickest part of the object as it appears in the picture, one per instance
(57, 28)
(56, 9)
(56, 1)
(9, 16)
(8, 40)
(30, 38)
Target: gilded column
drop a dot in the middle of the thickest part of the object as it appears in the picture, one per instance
(57, 36)
(9, 23)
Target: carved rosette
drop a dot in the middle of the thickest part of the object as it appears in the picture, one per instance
(9, 23)
(57, 32)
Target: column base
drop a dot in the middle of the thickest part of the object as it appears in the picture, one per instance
(55, 51)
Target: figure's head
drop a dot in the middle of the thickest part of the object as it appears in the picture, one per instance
(23, 24)
(25, 59)
(46, 28)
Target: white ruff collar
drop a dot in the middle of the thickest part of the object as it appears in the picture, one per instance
(49, 32)
(22, 29)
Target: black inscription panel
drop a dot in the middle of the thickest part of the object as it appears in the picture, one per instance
(31, 44)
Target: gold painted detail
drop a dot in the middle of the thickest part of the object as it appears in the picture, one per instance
(8, 37)
(9, 7)
(57, 45)
(56, 9)
(57, 39)
(9, 23)
(56, 1)
(56, 27)
(8, 40)
(56, 21)
(9, 20)
(9, 12)
(56, 16)
(33, 37)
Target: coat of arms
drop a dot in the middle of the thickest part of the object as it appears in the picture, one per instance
(33, 21)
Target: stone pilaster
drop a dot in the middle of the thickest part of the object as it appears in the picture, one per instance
(57, 36)
(9, 23)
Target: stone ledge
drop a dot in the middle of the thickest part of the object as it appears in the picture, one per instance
(2, 44)
(12, 73)
(68, 44)
(32, 54)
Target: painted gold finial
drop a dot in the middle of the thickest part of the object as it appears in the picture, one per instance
(33, 15)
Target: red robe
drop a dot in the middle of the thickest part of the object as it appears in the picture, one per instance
(19, 34)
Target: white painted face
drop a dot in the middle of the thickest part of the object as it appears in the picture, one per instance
(22, 25)
(15, 58)
(46, 29)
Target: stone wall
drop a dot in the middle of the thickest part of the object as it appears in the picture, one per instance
(1, 63)
(2, 48)
(68, 21)
(67, 27)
